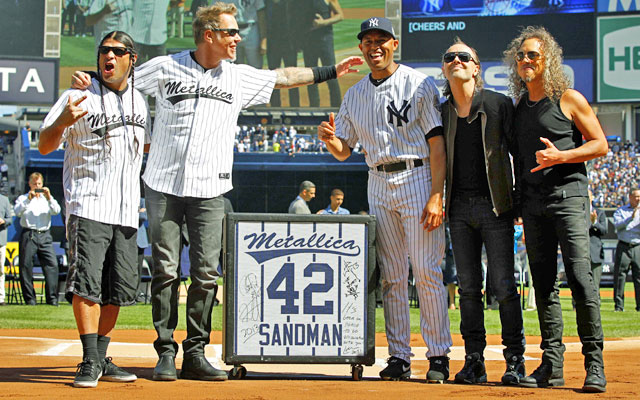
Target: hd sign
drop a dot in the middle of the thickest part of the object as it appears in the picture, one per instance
(619, 58)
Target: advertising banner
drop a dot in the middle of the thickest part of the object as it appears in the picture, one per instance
(429, 26)
(618, 58)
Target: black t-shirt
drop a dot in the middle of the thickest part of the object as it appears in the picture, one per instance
(545, 119)
(469, 171)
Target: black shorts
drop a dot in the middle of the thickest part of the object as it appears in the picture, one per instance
(103, 266)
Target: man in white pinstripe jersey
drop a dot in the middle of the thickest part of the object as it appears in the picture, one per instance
(393, 114)
(105, 128)
(199, 96)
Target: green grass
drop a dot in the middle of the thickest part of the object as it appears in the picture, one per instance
(624, 324)
(362, 3)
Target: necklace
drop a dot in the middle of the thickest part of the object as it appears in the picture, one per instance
(529, 104)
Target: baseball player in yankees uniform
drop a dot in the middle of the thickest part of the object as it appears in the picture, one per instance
(199, 96)
(392, 113)
(105, 127)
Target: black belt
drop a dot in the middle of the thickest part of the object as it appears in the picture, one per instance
(398, 166)
(36, 230)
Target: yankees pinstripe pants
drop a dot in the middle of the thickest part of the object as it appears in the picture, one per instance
(397, 200)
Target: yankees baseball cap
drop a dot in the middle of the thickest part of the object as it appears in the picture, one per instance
(376, 23)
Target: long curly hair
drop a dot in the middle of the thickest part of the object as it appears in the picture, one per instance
(446, 91)
(555, 80)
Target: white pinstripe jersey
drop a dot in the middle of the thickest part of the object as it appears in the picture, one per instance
(101, 177)
(197, 111)
(390, 120)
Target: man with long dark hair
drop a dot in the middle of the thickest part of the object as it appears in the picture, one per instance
(105, 128)
(551, 121)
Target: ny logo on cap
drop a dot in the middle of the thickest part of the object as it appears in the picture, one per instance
(373, 22)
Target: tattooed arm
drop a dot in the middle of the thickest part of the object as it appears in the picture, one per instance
(293, 76)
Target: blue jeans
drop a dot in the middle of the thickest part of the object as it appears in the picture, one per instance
(564, 222)
(472, 224)
(203, 219)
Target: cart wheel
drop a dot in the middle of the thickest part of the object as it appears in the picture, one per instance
(356, 372)
(238, 372)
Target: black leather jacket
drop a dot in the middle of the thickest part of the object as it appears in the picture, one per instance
(496, 113)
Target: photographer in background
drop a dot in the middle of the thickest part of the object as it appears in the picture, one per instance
(35, 210)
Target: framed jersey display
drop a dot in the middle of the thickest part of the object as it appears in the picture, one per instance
(299, 289)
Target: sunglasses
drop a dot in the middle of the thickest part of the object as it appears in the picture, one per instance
(229, 31)
(463, 56)
(531, 55)
(118, 51)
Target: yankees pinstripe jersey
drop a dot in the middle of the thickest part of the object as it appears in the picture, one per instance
(390, 120)
(101, 173)
(197, 111)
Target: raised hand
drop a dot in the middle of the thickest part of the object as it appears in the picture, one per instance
(72, 112)
(327, 129)
(80, 80)
(345, 66)
(547, 157)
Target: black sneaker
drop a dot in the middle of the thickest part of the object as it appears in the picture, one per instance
(113, 373)
(438, 369)
(595, 382)
(87, 374)
(396, 370)
(515, 371)
(545, 375)
(473, 370)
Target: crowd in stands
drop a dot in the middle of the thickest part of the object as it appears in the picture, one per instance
(281, 140)
(611, 176)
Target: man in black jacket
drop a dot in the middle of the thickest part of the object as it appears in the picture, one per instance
(479, 207)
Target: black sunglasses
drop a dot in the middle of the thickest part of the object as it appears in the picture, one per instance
(531, 55)
(229, 31)
(118, 51)
(463, 56)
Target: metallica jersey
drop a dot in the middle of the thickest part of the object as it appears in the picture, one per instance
(390, 119)
(197, 110)
(103, 154)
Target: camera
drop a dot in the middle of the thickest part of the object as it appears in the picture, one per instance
(38, 190)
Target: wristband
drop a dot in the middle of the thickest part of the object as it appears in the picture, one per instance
(322, 74)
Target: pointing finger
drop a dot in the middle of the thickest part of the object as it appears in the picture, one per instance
(538, 168)
(332, 121)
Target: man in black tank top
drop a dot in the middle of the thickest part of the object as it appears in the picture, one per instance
(479, 208)
(551, 121)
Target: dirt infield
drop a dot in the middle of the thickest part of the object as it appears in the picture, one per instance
(41, 364)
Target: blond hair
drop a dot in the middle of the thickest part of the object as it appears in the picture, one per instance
(208, 18)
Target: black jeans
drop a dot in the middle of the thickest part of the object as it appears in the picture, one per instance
(40, 243)
(472, 223)
(627, 257)
(564, 222)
